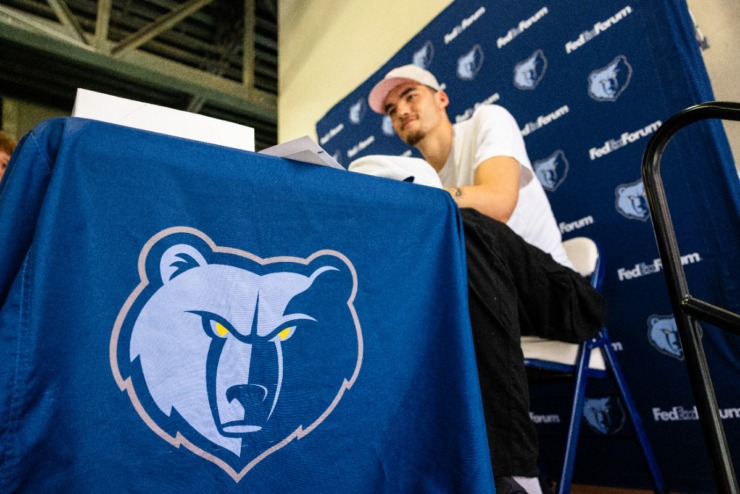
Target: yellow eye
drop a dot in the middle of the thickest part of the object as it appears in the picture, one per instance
(285, 333)
(220, 329)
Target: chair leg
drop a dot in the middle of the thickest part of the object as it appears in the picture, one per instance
(574, 427)
(634, 416)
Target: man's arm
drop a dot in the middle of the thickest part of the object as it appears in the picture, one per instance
(495, 188)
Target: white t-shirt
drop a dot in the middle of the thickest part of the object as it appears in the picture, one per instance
(492, 131)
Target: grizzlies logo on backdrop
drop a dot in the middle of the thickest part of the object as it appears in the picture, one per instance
(423, 56)
(387, 126)
(233, 356)
(469, 64)
(528, 73)
(357, 111)
(551, 171)
(607, 83)
(631, 201)
(604, 415)
(663, 335)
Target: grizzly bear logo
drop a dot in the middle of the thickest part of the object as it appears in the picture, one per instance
(551, 171)
(231, 355)
(631, 201)
(529, 72)
(423, 56)
(469, 64)
(607, 83)
(663, 335)
(604, 415)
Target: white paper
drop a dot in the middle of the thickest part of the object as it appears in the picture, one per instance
(154, 118)
(303, 149)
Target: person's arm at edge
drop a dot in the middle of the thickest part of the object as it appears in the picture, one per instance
(495, 188)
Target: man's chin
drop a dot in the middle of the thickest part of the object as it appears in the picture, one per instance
(413, 138)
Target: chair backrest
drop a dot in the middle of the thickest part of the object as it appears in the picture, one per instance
(585, 256)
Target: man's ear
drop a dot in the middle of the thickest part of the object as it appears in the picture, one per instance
(442, 99)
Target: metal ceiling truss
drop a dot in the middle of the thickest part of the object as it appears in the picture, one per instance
(186, 61)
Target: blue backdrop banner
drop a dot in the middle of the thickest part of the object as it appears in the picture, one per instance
(589, 83)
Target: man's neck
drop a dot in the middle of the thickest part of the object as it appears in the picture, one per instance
(437, 145)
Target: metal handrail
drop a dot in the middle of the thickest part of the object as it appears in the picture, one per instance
(686, 308)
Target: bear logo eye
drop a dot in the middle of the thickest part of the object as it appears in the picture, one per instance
(214, 326)
(219, 329)
(284, 334)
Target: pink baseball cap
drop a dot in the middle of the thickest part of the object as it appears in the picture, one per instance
(399, 75)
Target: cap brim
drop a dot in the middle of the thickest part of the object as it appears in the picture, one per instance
(379, 93)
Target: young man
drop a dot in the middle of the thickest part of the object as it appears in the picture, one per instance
(482, 162)
(513, 286)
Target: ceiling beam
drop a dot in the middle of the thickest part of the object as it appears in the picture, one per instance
(230, 36)
(164, 23)
(248, 63)
(68, 20)
(147, 69)
(102, 23)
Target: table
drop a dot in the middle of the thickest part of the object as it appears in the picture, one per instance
(182, 317)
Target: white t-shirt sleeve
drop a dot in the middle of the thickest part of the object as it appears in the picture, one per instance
(498, 134)
(492, 131)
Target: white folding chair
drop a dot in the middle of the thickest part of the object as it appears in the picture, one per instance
(572, 358)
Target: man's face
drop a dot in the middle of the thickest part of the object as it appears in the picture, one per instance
(415, 110)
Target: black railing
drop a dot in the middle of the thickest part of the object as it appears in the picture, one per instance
(689, 310)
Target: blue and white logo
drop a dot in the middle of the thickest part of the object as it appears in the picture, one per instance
(631, 201)
(212, 346)
(469, 64)
(604, 415)
(663, 335)
(387, 126)
(357, 111)
(423, 56)
(607, 83)
(551, 171)
(528, 73)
